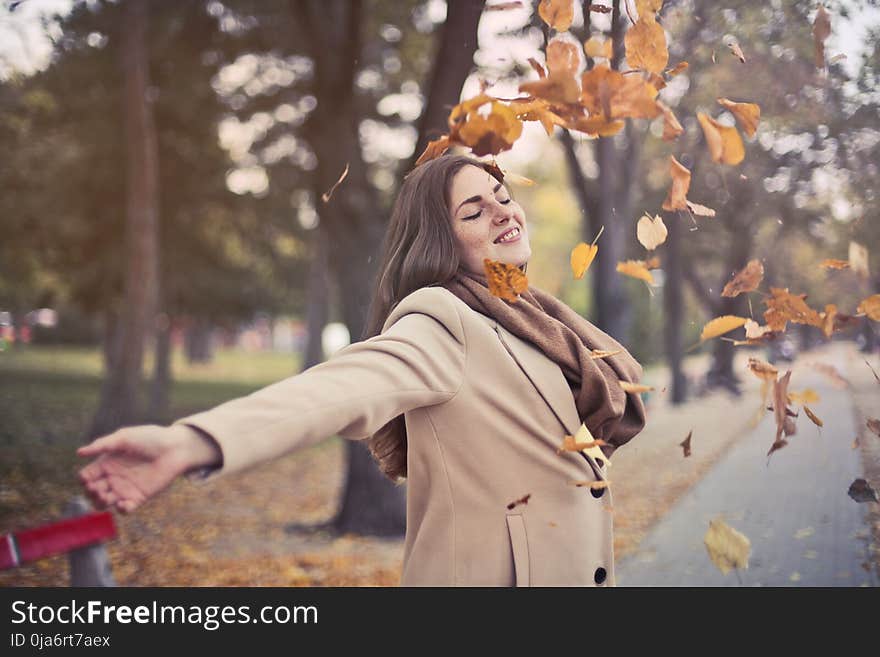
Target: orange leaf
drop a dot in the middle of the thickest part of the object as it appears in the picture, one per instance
(505, 281)
(636, 269)
(582, 257)
(563, 56)
(784, 307)
(491, 134)
(831, 263)
(570, 444)
(645, 44)
(746, 114)
(602, 483)
(676, 199)
(559, 88)
(871, 307)
(597, 126)
(746, 280)
(434, 149)
(538, 68)
(558, 14)
(725, 144)
(812, 416)
(648, 8)
(635, 387)
(601, 353)
(594, 47)
(720, 326)
(671, 127)
(618, 96)
(678, 68)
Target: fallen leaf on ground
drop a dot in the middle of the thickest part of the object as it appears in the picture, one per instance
(727, 547)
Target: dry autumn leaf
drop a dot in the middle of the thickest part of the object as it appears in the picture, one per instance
(613, 95)
(434, 149)
(873, 424)
(831, 263)
(329, 193)
(645, 44)
(784, 307)
(720, 326)
(821, 31)
(523, 500)
(781, 411)
(595, 47)
(651, 231)
(504, 6)
(686, 444)
(647, 9)
(671, 127)
(635, 269)
(870, 307)
(635, 387)
(676, 198)
(678, 68)
(602, 353)
(557, 14)
(570, 444)
(505, 281)
(747, 114)
(727, 547)
(736, 51)
(535, 64)
(725, 144)
(762, 369)
(583, 255)
(812, 416)
(806, 396)
(745, 280)
(491, 134)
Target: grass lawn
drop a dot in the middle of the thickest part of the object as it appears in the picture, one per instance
(48, 396)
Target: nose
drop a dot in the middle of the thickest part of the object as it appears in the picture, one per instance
(501, 214)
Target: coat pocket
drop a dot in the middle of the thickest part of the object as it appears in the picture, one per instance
(520, 546)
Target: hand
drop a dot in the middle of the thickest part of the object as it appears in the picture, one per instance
(134, 464)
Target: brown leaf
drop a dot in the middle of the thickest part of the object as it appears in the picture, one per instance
(645, 44)
(505, 281)
(745, 280)
(784, 307)
(831, 263)
(727, 547)
(651, 231)
(821, 31)
(326, 195)
(861, 491)
(720, 326)
(557, 14)
(616, 96)
(686, 444)
(762, 369)
(535, 64)
(870, 307)
(725, 144)
(563, 56)
(746, 114)
(604, 353)
(504, 6)
(737, 51)
(516, 503)
(488, 135)
(537, 109)
(635, 269)
(434, 149)
(595, 47)
(812, 416)
(700, 210)
(780, 408)
(678, 68)
(600, 9)
(873, 371)
(671, 127)
(676, 198)
(873, 424)
(570, 444)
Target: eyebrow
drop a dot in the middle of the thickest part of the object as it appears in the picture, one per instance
(474, 199)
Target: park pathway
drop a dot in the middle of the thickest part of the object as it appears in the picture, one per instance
(804, 528)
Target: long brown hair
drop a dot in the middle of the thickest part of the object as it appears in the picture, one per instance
(420, 250)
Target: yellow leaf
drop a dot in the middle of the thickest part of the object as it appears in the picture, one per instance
(727, 547)
(558, 14)
(645, 44)
(635, 387)
(505, 281)
(871, 307)
(807, 396)
(746, 114)
(676, 198)
(812, 416)
(594, 47)
(582, 257)
(721, 325)
(725, 144)
(651, 231)
(636, 269)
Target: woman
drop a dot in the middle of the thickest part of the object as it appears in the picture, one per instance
(467, 396)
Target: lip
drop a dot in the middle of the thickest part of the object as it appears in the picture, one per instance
(515, 239)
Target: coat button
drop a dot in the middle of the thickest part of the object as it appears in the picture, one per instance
(600, 463)
(600, 575)
(597, 492)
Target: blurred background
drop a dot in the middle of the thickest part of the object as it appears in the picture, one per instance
(164, 245)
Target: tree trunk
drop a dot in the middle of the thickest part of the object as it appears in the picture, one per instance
(159, 393)
(120, 399)
(197, 341)
(673, 310)
(317, 310)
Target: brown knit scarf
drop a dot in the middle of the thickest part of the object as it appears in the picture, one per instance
(567, 339)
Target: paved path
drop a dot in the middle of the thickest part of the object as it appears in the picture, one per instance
(804, 528)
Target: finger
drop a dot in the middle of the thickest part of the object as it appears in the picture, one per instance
(98, 485)
(108, 497)
(127, 506)
(125, 488)
(109, 443)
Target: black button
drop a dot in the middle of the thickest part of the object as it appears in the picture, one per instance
(600, 575)
(600, 463)
(597, 492)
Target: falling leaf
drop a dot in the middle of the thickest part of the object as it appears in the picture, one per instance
(737, 51)
(557, 14)
(755, 331)
(516, 503)
(725, 144)
(570, 444)
(700, 210)
(762, 369)
(652, 263)
(745, 280)
(538, 68)
(830, 263)
(595, 47)
(686, 444)
(635, 387)
(676, 198)
(861, 491)
(505, 281)
(678, 68)
(780, 409)
(870, 307)
(645, 44)
(812, 416)
(636, 269)
(873, 371)
(613, 95)
(727, 547)
(855, 443)
(746, 114)
(829, 319)
(488, 135)
(537, 109)
(858, 260)
(595, 485)
(648, 8)
(434, 149)
(601, 353)
(720, 326)
(807, 396)
(671, 127)
(651, 231)
(504, 6)
(560, 88)
(784, 307)
(326, 195)
(583, 254)
(562, 56)
(839, 57)
(821, 31)
(873, 424)
(600, 9)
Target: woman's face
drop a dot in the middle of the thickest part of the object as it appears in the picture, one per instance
(486, 221)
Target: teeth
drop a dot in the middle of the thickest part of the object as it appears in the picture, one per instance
(509, 235)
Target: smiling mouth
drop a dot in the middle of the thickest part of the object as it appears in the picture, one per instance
(508, 236)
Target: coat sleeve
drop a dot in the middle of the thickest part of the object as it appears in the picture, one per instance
(418, 360)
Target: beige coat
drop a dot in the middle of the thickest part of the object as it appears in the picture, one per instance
(485, 413)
